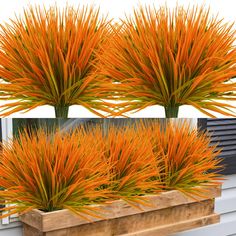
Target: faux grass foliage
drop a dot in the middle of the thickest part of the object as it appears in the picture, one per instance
(52, 172)
(185, 157)
(132, 163)
(173, 57)
(47, 57)
(88, 166)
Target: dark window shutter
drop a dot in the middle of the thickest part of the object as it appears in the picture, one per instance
(223, 133)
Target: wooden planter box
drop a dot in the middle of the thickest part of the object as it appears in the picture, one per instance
(170, 212)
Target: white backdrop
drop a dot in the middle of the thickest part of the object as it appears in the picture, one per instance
(116, 9)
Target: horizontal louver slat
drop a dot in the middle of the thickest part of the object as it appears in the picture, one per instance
(224, 143)
(227, 153)
(221, 122)
(226, 148)
(223, 138)
(223, 133)
(221, 127)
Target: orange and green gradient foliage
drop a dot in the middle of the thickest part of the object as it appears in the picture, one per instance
(53, 171)
(173, 57)
(132, 163)
(48, 57)
(184, 156)
(88, 166)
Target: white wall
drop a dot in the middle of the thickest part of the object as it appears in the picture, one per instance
(11, 231)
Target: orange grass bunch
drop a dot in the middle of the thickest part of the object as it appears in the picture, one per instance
(185, 158)
(48, 57)
(132, 163)
(46, 171)
(89, 165)
(172, 57)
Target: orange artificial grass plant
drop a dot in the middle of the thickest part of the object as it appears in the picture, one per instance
(184, 154)
(172, 57)
(132, 163)
(89, 165)
(45, 171)
(48, 57)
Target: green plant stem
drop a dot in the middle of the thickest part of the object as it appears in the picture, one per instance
(172, 111)
(61, 111)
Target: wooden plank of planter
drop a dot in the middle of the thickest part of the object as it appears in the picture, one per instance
(167, 208)
(141, 224)
(47, 221)
(177, 227)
